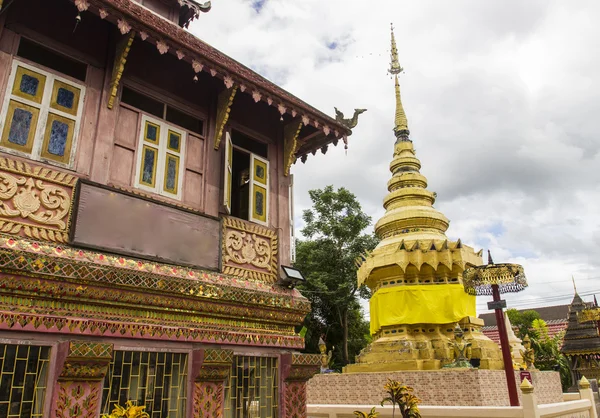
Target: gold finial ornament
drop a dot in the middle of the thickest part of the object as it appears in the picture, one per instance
(401, 123)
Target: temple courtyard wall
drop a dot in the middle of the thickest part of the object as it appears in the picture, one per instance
(466, 387)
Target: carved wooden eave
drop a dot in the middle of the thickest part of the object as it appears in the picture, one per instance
(150, 27)
(122, 51)
(224, 102)
(290, 144)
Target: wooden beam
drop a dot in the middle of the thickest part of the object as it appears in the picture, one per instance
(290, 144)
(121, 53)
(224, 102)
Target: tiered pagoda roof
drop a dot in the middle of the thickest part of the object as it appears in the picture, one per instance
(580, 338)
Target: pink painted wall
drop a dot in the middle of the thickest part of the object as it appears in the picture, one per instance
(108, 138)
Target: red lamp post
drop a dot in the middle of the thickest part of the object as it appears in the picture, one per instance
(493, 279)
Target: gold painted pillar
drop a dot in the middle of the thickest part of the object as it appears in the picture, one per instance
(78, 389)
(296, 370)
(211, 368)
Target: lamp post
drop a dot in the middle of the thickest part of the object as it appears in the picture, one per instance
(493, 279)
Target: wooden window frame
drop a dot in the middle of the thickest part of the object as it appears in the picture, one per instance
(44, 111)
(162, 151)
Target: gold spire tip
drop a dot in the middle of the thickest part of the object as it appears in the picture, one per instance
(400, 121)
(395, 67)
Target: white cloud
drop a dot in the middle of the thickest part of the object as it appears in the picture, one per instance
(502, 101)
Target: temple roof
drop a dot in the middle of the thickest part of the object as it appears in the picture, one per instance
(156, 29)
(580, 338)
(547, 313)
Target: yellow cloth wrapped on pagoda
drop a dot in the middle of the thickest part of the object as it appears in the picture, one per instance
(420, 304)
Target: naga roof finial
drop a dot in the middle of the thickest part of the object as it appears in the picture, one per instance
(401, 123)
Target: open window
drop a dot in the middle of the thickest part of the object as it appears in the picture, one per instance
(246, 178)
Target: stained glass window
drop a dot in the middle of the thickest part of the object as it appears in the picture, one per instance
(29, 85)
(174, 141)
(58, 138)
(259, 203)
(65, 98)
(260, 172)
(23, 374)
(171, 173)
(20, 126)
(148, 166)
(159, 158)
(37, 96)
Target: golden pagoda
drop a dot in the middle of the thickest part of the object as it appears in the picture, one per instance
(415, 273)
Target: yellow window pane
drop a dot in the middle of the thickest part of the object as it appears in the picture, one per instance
(174, 141)
(58, 139)
(29, 84)
(259, 203)
(152, 132)
(260, 171)
(171, 180)
(65, 97)
(19, 127)
(148, 166)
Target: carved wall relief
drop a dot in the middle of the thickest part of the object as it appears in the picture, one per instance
(249, 250)
(35, 201)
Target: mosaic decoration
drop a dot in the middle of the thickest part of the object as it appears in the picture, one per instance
(208, 399)
(290, 145)
(123, 47)
(216, 365)
(90, 349)
(35, 201)
(224, 103)
(77, 400)
(249, 250)
(69, 263)
(295, 399)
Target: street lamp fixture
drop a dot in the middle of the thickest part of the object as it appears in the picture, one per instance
(290, 277)
(493, 279)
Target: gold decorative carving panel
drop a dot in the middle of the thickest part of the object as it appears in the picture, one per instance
(249, 250)
(35, 201)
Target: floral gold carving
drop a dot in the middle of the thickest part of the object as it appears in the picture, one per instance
(35, 201)
(123, 47)
(249, 250)
(77, 400)
(224, 102)
(290, 144)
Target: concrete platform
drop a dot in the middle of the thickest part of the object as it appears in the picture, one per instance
(462, 387)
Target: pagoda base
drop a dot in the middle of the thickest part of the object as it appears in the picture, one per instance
(446, 387)
(425, 347)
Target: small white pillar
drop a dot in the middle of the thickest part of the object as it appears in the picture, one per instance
(529, 400)
(586, 392)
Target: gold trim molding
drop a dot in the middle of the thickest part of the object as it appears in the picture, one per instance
(121, 53)
(249, 250)
(290, 144)
(224, 103)
(35, 201)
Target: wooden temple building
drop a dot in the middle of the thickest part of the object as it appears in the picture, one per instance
(145, 214)
(581, 343)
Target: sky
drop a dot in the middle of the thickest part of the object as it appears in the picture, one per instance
(501, 99)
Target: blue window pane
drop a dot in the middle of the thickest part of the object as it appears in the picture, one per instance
(171, 174)
(174, 141)
(29, 84)
(260, 171)
(148, 169)
(19, 127)
(58, 138)
(258, 203)
(65, 98)
(151, 132)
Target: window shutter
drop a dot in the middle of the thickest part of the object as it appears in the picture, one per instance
(228, 172)
(259, 190)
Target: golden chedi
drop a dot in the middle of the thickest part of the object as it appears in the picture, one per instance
(415, 274)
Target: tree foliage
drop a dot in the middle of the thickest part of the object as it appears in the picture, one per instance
(547, 348)
(334, 239)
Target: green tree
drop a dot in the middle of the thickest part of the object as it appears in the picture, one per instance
(522, 320)
(334, 239)
(547, 351)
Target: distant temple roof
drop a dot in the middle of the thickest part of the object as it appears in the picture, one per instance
(547, 313)
(173, 38)
(580, 338)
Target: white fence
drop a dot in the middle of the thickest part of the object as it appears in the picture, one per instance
(582, 406)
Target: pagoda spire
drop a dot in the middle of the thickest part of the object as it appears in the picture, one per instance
(401, 123)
